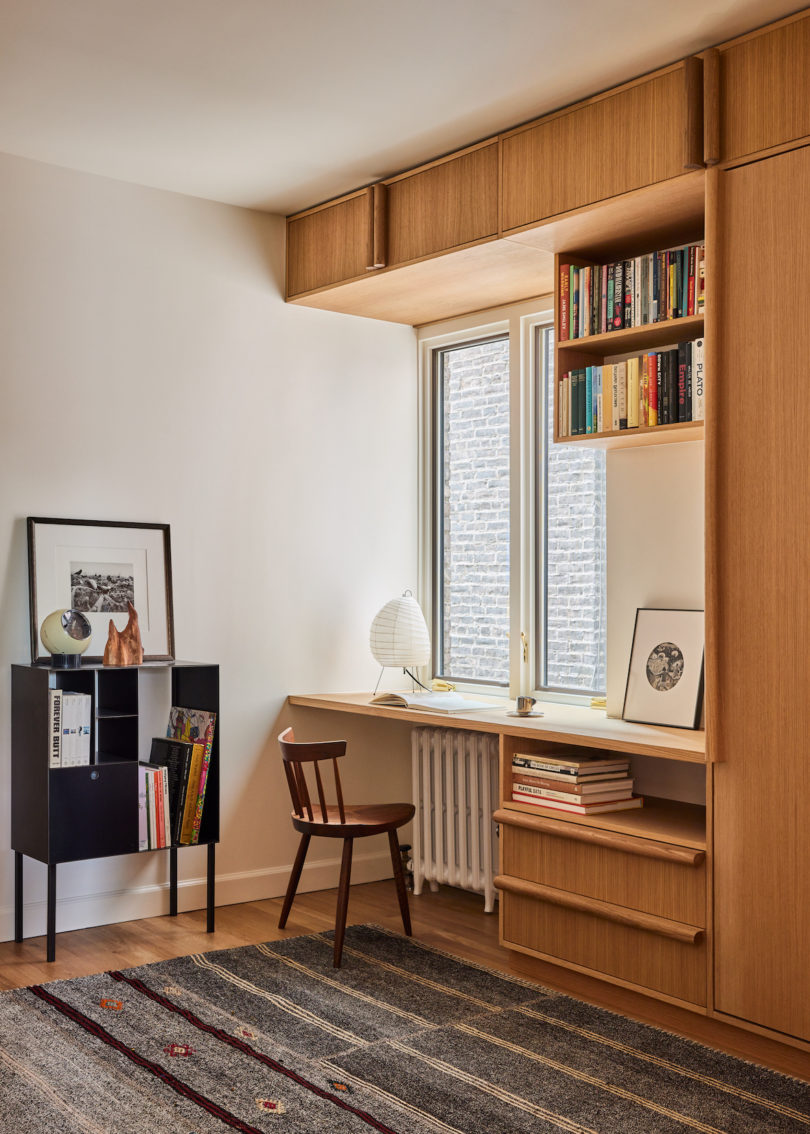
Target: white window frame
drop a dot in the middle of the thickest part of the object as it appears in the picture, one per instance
(519, 321)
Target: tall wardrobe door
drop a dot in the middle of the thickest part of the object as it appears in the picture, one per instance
(759, 469)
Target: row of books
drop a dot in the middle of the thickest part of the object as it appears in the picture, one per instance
(173, 782)
(598, 298)
(576, 784)
(69, 725)
(660, 387)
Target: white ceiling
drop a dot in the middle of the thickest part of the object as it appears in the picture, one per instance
(280, 104)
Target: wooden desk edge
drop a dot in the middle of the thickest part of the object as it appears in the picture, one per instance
(644, 740)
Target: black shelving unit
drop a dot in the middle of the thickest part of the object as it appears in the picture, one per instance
(72, 814)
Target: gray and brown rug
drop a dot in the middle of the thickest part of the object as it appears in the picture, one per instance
(402, 1039)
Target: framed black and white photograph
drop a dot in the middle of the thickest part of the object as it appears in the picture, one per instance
(98, 567)
(665, 676)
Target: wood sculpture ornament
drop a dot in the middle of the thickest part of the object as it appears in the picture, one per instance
(124, 647)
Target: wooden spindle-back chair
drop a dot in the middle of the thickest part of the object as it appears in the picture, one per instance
(313, 815)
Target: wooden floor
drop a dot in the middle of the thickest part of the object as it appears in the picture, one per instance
(450, 919)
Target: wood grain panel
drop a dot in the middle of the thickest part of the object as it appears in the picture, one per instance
(759, 567)
(765, 89)
(447, 205)
(667, 889)
(329, 244)
(547, 169)
(637, 136)
(639, 956)
(599, 149)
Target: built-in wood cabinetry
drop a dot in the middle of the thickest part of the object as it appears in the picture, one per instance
(759, 568)
(334, 242)
(642, 134)
(711, 908)
(451, 203)
(763, 92)
(619, 141)
(621, 894)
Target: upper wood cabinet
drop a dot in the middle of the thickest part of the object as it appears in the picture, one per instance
(764, 93)
(333, 242)
(637, 135)
(452, 202)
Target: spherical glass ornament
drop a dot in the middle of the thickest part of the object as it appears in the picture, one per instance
(66, 634)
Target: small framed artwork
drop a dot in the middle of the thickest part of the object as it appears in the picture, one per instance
(665, 677)
(98, 567)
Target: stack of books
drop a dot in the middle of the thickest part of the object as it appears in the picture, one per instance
(172, 783)
(69, 724)
(659, 387)
(598, 298)
(571, 782)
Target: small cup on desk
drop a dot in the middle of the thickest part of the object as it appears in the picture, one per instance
(524, 705)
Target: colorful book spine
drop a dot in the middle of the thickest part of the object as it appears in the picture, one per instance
(565, 280)
(698, 391)
(632, 393)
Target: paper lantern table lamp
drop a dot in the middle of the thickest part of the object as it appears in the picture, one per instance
(399, 636)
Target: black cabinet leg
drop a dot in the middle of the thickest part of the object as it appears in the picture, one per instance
(18, 896)
(210, 887)
(173, 882)
(51, 927)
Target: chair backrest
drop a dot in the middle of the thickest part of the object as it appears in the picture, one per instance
(295, 755)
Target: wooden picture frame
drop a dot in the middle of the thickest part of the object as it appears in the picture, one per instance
(97, 566)
(665, 674)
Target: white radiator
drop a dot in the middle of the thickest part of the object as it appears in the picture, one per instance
(455, 789)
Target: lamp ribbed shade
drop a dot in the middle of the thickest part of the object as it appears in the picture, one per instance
(399, 634)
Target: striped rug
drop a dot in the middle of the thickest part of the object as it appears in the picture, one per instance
(402, 1039)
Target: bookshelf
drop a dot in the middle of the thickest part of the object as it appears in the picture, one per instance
(594, 346)
(70, 814)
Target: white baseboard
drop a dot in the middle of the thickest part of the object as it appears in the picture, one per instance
(107, 907)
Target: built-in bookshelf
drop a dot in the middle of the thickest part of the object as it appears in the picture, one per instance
(629, 356)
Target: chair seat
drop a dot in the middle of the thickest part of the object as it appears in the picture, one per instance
(361, 819)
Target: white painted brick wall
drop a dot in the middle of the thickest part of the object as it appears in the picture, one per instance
(476, 534)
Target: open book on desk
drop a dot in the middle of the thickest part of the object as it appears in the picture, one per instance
(433, 702)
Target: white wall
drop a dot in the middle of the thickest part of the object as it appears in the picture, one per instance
(151, 371)
(655, 542)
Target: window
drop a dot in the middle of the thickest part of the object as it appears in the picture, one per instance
(513, 527)
(471, 616)
(571, 582)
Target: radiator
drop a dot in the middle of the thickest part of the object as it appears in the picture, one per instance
(455, 789)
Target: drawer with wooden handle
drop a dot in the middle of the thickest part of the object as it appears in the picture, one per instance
(650, 952)
(655, 877)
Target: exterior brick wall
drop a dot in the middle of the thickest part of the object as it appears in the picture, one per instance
(476, 534)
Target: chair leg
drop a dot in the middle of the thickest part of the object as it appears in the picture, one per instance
(399, 879)
(343, 900)
(292, 885)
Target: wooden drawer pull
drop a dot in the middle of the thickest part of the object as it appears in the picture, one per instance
(711, 103)
(688, 934)
(614, 840)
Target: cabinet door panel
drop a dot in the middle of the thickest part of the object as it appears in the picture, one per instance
(450, 204)
(764, 92)
(599, 149)
(329, 244)
(93, 811)
(759, 560)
